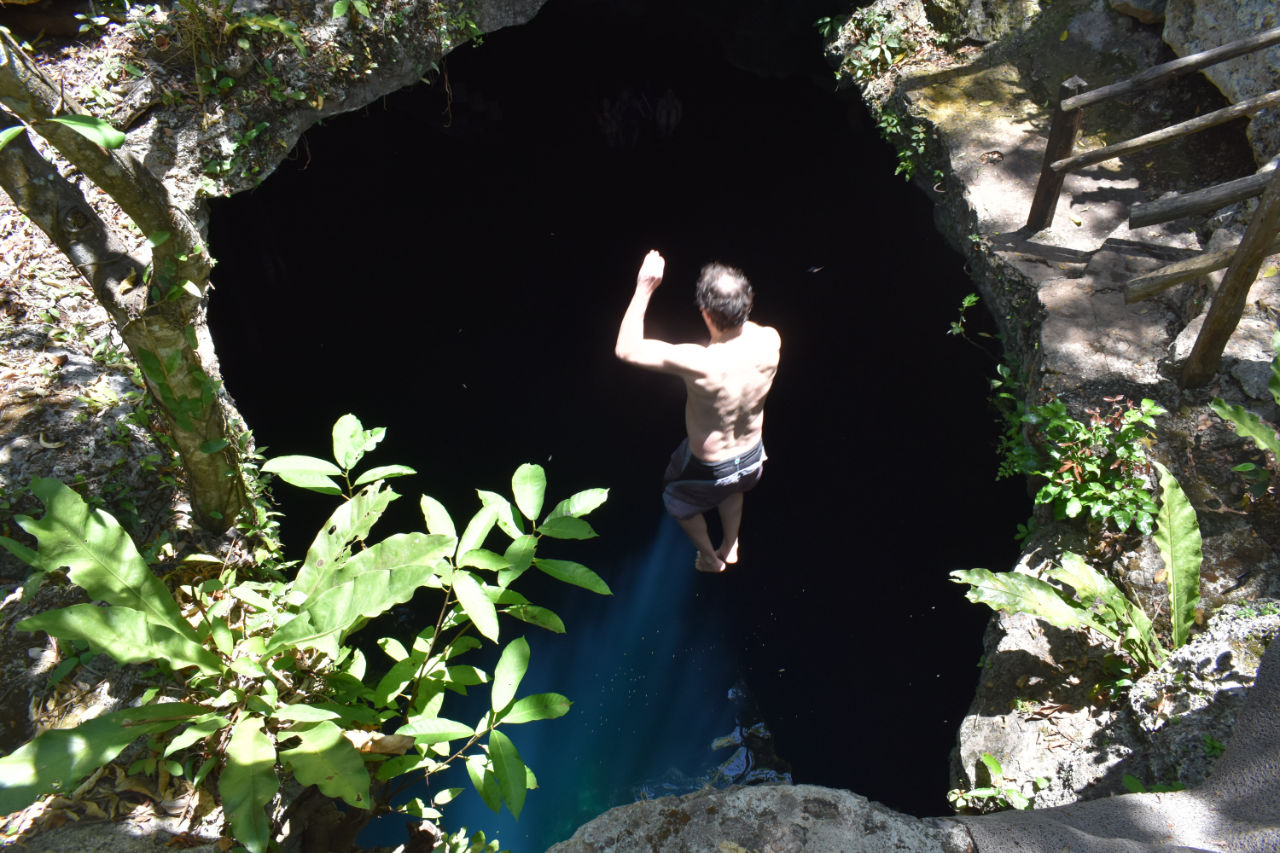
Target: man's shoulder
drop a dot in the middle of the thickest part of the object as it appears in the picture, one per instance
(764, 335)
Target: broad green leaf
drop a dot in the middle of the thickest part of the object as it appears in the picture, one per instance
(56, 760)
(339, 609)
(567, 527)
(485, 783)
(574, 573)
(427, 729)
(99, 556)
(393, 648)
(7, 135)
(529, 485)
(92, 129)
(482, 558)
(993, 767)
(1177, 536)
(394, 682)
(340, 8)
(509, 769)
(200, 728)
(125, 634)
(350, 522)
(509, 672)
(1018, 593)
(329, 761)
(248, 783)
(579, 504)
(534, 615)
(383, 472)
(519, 555)
(437, 517)
(396, 553)
(305, 472)
(351, 441)
(1092, 588)
(538, 706)
(1249, 425)
(476, 604)
(300, 713)
(504, 515)
(478, 528)
(22, 552)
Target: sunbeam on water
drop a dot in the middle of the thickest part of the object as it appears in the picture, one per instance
(651, 653)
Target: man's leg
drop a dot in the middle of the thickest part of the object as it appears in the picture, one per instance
(696, 529)
(730, 520)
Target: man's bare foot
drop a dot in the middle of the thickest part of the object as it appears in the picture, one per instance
(729, 555)
(710, 565)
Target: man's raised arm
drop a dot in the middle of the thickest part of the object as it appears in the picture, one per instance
(633, 347)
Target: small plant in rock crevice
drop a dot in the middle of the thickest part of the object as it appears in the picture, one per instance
(1262, 434)
(1000, 792)
(1099, 468)
(877, 43)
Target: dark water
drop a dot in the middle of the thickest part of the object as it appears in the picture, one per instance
(462, 286)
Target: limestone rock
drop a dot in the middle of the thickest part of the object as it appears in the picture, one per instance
(990, 20)
(1146, 11)
(1194, 25)
(776, 818)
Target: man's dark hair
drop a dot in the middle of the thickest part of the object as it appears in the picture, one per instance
(725, 294)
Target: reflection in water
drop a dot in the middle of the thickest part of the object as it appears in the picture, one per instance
(653, 679)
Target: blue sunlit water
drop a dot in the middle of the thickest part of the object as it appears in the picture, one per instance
(650, 654)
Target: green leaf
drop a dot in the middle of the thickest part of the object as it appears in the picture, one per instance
(383, 472)
(483, 559)
(519, 556)
(1249, 425)
(125, 634)
(214, 445)
(1177, 536)
(538, 706)
(301, 713)
(56, 760)
(428, 729)
(579, 504)
(1273, 385)
(574, 573)
(399, 552)
(99, 556)
(509, 769)
(485, 783)
(92, 129)
(305, 472)
(503, 514)
(567, 527)
(509, 672)
(351, 441)
(340, 8)
(476, 604)
(329, 761)
(534, 615)
(993, 766)
(200, 728)
(437, 517)
(478, 528)
(350, 522)
(529, 485)
(9, 133)
(248, 783)
(1018, 593)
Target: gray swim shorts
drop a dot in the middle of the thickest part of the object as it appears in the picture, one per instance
(692, 487)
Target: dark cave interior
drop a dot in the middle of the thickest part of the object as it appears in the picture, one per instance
(455, 270)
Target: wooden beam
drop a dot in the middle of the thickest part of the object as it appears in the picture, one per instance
(1228, 303)
(1148, 140)
(1200, 201)
(1063, 129)
(1184, 65)
(1148, 285)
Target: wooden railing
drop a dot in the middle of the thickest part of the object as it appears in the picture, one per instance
(1261, 237)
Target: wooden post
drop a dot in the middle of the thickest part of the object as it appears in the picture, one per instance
(1062, 138)
(1228, 305)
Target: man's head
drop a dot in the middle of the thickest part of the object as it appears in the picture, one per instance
(725, 295)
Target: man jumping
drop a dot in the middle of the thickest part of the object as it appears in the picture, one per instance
(727, 380)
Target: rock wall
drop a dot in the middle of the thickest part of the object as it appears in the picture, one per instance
(1195, 25)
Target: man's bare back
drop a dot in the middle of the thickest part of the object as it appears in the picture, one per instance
(726, 380)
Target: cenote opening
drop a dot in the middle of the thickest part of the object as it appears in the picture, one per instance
(456, 273)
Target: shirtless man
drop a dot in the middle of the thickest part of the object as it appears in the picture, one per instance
(727, 380)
